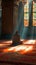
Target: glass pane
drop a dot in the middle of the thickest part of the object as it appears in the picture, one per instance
(34, 13)
(26, 14)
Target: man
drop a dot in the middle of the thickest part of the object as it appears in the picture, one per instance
(16, 39)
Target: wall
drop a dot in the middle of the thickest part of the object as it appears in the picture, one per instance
(7, 18)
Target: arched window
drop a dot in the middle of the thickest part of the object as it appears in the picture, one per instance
(28, 9)
(30, 13)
